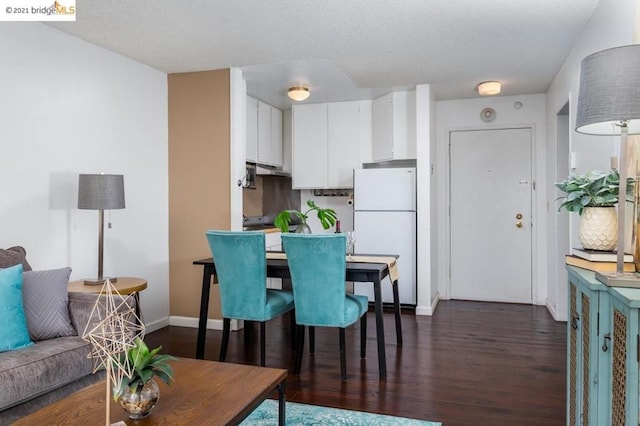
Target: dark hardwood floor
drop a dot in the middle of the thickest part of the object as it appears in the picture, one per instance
(472, 363)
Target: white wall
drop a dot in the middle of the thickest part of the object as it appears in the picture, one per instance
(612, 24)
(68, 107)
(339, 204)
(426, 277)
(465, 115)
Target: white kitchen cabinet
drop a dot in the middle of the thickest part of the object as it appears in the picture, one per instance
(252, 130)
(343, 143)
(263, 133)
(275, 146)
(326, 143)
(286, 141)
(394, 126)
(309, 145)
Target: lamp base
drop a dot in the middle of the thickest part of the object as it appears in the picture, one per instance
(99, 281)
(626, 279)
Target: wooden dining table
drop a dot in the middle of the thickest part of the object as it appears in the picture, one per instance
(371, 272)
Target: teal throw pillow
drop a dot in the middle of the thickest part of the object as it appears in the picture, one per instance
(13, 324)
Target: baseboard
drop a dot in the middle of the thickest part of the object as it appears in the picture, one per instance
(556, 313)
(428, 310)
(212, 324)
(150, 327)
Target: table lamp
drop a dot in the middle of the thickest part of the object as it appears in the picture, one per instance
(609, 104)
(100, 192)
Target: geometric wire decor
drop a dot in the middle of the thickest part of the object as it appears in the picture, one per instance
(112, 330)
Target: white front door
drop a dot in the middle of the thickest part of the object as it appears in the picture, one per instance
(490, 195)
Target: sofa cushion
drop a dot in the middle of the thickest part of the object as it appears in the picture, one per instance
(41, 368)
(46, 304)
(81, 306)
(13, 325)
(13, 256)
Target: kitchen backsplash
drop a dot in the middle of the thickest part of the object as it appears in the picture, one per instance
(252, 199)
(271, 195)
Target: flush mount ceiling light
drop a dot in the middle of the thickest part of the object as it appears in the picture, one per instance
(298, 93)
(489, 88)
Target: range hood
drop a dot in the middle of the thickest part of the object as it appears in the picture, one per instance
(270, 171)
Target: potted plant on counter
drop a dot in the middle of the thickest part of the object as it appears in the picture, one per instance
(139, 393)
(327, 218)
(593, 196)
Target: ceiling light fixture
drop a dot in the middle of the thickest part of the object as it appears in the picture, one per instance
(298, 93)
(489, 88)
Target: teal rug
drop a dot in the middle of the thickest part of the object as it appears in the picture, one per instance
(307, 415)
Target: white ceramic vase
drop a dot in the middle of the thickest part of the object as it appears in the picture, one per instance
(599, 228)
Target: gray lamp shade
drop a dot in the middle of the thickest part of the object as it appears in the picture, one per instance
(609, 91)
(101, 192)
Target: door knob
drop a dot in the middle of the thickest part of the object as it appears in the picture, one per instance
(518, 224)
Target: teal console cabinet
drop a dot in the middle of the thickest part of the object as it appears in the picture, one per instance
(603, 352)
(588, 311)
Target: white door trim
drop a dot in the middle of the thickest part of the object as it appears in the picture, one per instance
(445, 292)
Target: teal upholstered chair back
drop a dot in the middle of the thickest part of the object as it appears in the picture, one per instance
(317, 266)
(241, 267)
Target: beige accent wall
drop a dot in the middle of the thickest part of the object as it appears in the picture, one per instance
(199, 181)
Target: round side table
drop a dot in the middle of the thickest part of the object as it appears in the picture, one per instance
(124, 285)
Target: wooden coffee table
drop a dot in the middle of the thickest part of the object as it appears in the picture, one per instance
(204, 393)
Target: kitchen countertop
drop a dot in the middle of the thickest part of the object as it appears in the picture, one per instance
(267, 229)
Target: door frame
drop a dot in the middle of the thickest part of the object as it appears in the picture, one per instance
(446, 288)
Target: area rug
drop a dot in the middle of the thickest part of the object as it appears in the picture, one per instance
(303, 415)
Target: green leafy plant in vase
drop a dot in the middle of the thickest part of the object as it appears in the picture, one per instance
(327, 218)
(593, 189)
(593, 196)
(139, 393)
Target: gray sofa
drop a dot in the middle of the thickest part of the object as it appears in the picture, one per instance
(48, 370)
(57, 363)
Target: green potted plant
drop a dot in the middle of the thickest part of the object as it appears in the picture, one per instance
(139, 393)
(327, 218)
(593, 196)
(593, 189)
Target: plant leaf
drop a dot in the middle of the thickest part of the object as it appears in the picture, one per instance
(282, 220)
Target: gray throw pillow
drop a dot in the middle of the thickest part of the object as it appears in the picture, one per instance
(46, 304)
(14, 256)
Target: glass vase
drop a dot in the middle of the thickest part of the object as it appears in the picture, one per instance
(303, 228)
(140, 403)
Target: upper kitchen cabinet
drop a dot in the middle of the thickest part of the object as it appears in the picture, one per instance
(264, 133)
(275, 147)
(327, 141)
(394, 126)
(252, 130)
(343, 143)
(309, 146)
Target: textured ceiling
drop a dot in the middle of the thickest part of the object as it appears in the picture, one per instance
(373, 44)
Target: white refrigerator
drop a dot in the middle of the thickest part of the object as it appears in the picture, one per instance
(384, 221)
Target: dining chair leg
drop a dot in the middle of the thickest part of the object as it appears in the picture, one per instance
(396, 308)
(300, 349)
(226, 328)
(343, 356)
(363, 336)
(312, 340)
(292, 328)
(248, 332)
(262, 343)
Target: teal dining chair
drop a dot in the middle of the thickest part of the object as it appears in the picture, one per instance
(241, 268)
(318, 270)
